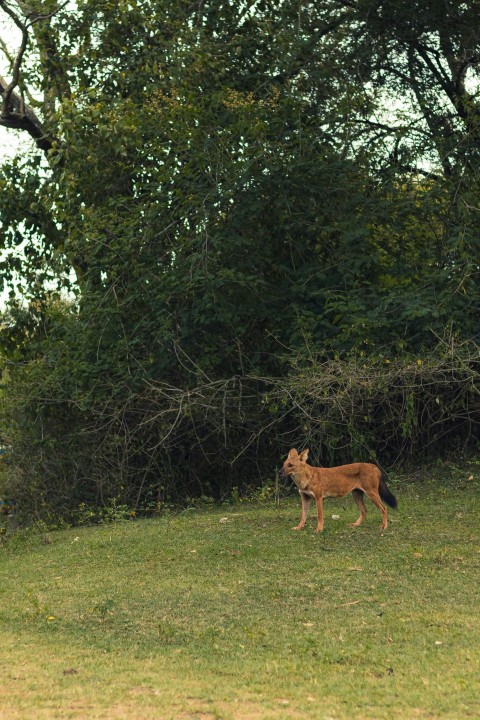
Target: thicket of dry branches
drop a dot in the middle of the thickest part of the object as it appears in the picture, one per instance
(169, 444)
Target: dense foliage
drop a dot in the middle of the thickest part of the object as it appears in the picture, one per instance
(223, 200)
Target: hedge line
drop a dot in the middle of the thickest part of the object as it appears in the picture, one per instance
(168, 444)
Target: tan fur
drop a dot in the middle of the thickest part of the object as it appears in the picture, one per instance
(317, 483)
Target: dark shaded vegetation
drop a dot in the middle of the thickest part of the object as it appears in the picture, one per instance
(267, 223)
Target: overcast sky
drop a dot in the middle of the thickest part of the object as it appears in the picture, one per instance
(10, 35)
(9, 140)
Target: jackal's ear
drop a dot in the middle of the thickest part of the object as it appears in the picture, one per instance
(293, 453)
(303, 455)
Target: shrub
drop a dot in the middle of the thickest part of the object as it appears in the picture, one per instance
(164, 443)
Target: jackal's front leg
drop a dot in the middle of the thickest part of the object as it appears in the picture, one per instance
(306, 500)
(319, 501)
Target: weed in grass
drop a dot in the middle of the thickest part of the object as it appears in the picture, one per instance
(104, 609)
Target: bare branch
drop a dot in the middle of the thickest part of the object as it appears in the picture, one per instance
(21, 117)
(8, 90)
(6, 51)
(14, 112)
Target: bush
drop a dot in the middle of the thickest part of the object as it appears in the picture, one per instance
(395, 411)
(144, 450)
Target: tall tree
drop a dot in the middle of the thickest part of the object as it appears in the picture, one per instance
(228, 189)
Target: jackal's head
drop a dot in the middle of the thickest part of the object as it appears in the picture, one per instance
(295, 463)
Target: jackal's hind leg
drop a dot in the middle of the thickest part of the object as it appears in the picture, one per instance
(375, 498)
(358, 497)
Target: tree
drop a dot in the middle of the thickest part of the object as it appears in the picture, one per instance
(229, 190)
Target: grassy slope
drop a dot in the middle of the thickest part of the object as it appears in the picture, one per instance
(198, 616)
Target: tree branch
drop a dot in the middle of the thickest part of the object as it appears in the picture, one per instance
(19, 116)
(14, 113)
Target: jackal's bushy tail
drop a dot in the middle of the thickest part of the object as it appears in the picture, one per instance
(385, 493)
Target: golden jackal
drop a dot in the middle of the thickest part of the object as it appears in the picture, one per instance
(357, 478)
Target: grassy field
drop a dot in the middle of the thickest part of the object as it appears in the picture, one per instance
(227, 613)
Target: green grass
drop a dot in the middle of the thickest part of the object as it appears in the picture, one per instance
(227, 613)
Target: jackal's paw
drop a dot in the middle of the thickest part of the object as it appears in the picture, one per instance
(298, 527)
(319, 529)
